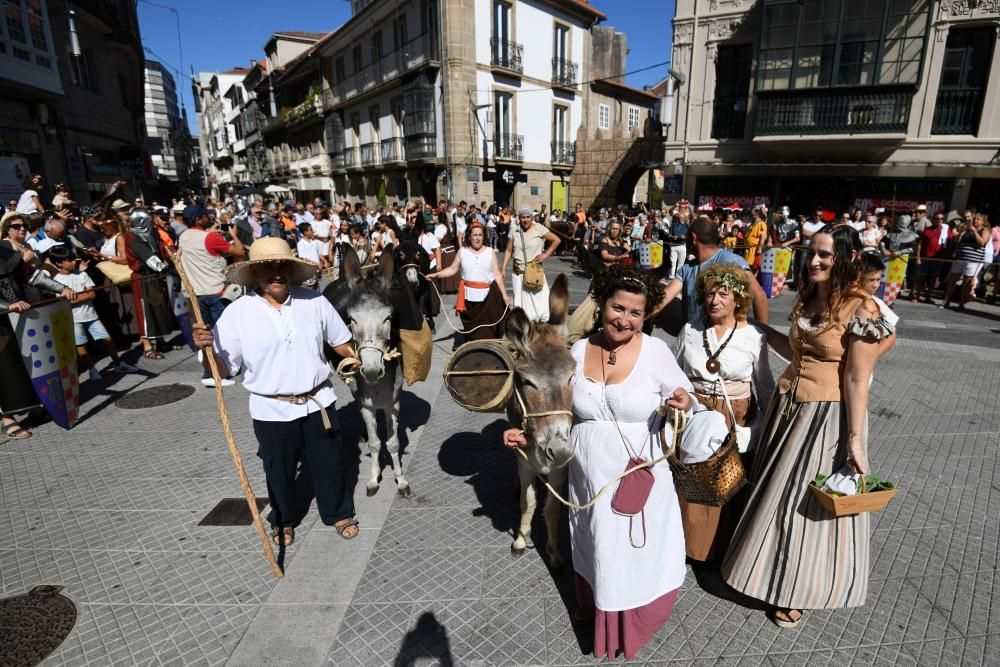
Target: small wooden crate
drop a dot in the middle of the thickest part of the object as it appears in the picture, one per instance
(848, 505)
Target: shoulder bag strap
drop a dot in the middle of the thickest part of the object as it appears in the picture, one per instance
(524, 247)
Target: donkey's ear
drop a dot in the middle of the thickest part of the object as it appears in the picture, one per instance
(350, 265)
(559, 301)
(518, 331)
(386, 267)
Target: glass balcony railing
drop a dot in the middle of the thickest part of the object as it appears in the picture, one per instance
(416, 52)
(834, 111)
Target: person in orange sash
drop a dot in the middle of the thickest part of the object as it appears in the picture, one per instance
(482, 297)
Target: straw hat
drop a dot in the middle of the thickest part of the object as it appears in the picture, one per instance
(269, 250)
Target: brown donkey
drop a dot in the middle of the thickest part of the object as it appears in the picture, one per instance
(542, 406)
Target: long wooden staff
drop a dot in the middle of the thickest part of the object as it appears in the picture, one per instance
(220, 402)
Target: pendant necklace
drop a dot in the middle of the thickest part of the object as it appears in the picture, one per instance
(613, 353)
(713, 364)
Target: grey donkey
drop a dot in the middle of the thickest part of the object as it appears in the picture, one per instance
(542, 405)
(365, 305)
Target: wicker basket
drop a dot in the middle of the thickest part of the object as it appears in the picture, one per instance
(849, 505)
(480, 375)
(712, 482)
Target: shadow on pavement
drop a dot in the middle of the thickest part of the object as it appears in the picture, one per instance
(427, 639)
(414, 412)
(491, 470)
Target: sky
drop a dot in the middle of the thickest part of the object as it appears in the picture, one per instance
(222, 34)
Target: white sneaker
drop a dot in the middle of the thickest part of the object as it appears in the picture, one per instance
(210, 382)
(94, 374)
(122, 367)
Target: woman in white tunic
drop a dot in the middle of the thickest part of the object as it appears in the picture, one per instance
(482, 297)
(628, 569)
(725, 349)
(525, 245)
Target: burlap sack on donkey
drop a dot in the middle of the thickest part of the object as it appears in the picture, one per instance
(416, 348)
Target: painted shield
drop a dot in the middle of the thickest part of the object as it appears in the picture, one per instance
(651, 255)
(45, 337)
(892, 281)
(774, 267)
(182, 310)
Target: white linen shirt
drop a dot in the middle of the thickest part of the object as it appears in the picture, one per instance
(743, 360)
(281, 350)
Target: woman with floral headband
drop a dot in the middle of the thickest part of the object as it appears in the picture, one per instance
(724, 357)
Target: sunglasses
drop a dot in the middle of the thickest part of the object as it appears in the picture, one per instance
(16, 225)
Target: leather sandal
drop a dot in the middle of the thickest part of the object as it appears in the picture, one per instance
(346, 524)
(283, 536)
(15, 431)
(784, 618)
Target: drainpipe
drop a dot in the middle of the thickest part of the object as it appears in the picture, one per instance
(444, 81)
(687, 105)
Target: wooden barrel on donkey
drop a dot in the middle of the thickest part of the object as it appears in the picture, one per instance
(480, 375)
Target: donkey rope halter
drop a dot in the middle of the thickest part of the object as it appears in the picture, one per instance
(679, 419)
(347, 369)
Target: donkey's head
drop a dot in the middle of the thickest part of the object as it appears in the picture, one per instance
(543, 376)
(369, 312)
(411, 258)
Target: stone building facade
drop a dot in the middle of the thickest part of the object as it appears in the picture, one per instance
(72, 108)
(885, 104)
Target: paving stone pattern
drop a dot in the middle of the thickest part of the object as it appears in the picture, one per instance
(110, 510)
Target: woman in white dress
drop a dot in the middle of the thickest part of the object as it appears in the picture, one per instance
(482, 295)
(628, 568)
(526, 245)
(725, 349)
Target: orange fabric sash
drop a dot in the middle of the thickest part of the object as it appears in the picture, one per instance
(462, 284)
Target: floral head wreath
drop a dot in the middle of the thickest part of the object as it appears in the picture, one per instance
(731, 282)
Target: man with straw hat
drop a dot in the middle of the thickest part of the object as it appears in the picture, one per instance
(276, 333)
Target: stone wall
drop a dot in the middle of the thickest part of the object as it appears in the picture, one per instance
(609, 165)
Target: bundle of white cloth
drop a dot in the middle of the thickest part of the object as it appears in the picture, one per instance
(844, 481)
(705, 434)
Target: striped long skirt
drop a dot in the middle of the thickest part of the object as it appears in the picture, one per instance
(787, 550)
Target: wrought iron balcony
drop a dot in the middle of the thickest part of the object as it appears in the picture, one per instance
(370, 154)
(834, 111)
(509, 147)
(564, 73)
(564, 152)
(337, 160)
(957, 111)
(507, 55)
(352, 158)
(392, 150)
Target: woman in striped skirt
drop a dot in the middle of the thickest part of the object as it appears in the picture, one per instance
(787, 550)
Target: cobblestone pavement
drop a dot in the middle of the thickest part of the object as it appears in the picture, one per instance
(110, 511)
